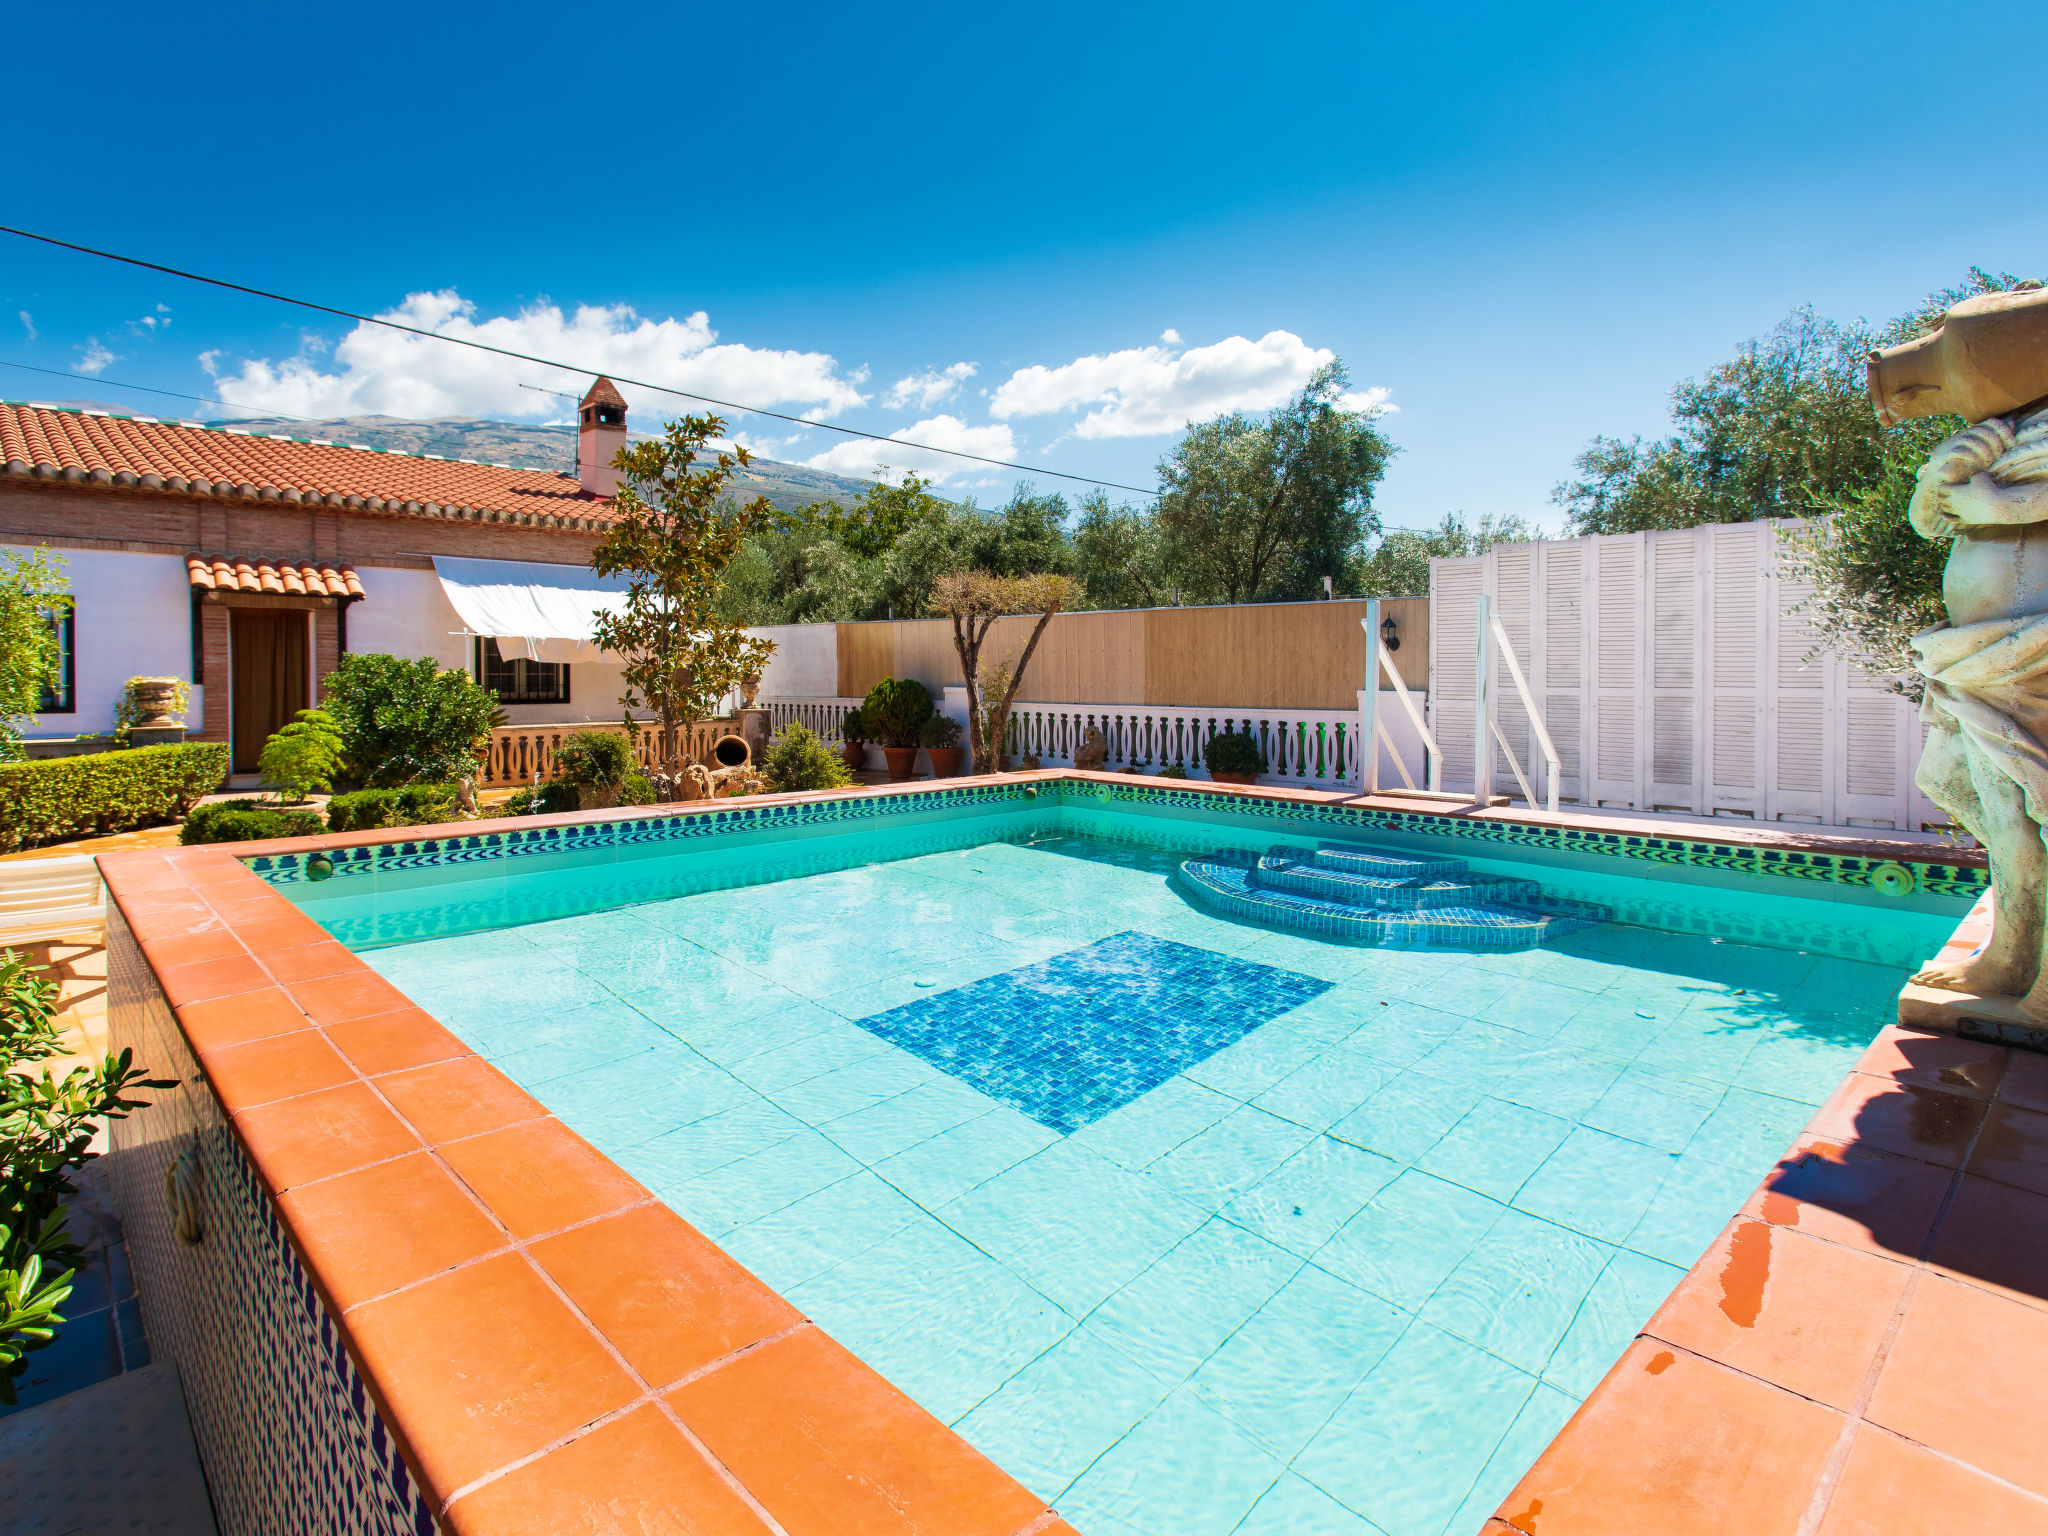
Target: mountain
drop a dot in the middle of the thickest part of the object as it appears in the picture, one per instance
(787, 486)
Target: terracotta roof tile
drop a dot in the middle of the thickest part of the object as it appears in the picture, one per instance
(180, 458)
(290, 578)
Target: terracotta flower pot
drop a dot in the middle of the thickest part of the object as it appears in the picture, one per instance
(855, 754)
(946, 761)
(1234, 778)
(902, 763)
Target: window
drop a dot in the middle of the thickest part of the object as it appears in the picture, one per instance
(60, 693)
(520, 681)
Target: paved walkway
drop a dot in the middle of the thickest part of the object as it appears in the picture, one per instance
(115, 1457)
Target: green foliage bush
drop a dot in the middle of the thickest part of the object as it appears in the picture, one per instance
(408, 722)
(941, 731)
(797, 759)
(46, 1130)
(637, 790)
(248, 821)
(853, 727)
(1171, 771)
(302, 757)
(895, 712)
(603, 759)
(102, 792)
(1233, 752)
(416, 805)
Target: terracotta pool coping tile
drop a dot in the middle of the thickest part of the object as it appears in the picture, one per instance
(1797, 1311)
(276, 1067)
(373, 1230)
(1892, 1487)
(484, 1366)
(279, 931)
(638, 1473)
(318, 1135)
(308, 962)
(217, 942)
(1968, 1376)
(541, 1176)
(350, 995)
(2013, 1148)
(203, 980)
(1927, 1123)
(395, 1041)
(831, 1449)
(458, 1097)
(225, 1021)
(1996, 1237)
(681, 1303)
(1853, 1195)
(2026, 1081)
(1681, 1446)
(1929, 1060)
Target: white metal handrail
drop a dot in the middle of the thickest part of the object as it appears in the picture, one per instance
(1492, 632)
(1372, 727)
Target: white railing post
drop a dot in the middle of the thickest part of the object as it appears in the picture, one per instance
(1483, 708)
(1368, 703)
(1550, 762)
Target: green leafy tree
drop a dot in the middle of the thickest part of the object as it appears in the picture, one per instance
(1399, 564)
(676, 534)
(1263, 510)
(885, 512)
(975, 601)
(1119, 556)
(408, 722)
(46, 1130)
(31, 589)
(304, 756)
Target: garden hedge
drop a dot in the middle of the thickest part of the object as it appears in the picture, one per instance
(415, 805)
(102, 792)
(249, 821)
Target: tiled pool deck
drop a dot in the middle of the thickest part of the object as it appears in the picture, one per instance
(381, 1134)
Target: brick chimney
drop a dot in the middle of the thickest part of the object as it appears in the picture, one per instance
(600, 433)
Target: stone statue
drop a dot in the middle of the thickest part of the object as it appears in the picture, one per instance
(1093, 753)
(1986, 670)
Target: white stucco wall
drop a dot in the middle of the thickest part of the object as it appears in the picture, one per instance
(134, 619)
(805, 664)
(406, 613)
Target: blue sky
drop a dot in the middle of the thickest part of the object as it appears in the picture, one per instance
(1521, 223)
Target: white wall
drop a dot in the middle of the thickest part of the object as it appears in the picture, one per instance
(134, 619)
(407, 613)
(806, 661)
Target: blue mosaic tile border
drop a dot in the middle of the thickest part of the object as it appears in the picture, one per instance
(1964, 881)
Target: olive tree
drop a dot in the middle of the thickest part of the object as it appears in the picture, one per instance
(976, 601)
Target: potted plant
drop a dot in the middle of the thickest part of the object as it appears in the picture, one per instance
(895, 713)
(941, 737)
(1232, 757)
(854, 732)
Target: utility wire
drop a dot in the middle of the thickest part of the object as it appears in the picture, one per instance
(525, 357)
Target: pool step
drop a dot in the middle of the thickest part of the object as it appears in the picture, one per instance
(1361, 896)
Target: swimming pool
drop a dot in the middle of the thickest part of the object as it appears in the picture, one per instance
(1189, 1225)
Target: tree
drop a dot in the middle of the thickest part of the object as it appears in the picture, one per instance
(1119, 556)
(31, 589)
(883, 515)
(408, 722)
(975, 600)
(675, 534)
(1264, 510)
(1399, 564)
(303, 756)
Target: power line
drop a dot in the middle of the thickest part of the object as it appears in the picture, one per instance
(526, 357)
(93, 378)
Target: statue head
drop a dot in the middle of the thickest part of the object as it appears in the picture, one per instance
(1988, 357)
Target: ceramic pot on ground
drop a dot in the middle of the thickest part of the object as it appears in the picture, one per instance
(1234, 778)
(855, 754)
(902, 763)
(946, 761)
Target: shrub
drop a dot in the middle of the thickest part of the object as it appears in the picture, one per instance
(302, 757)
(796, 759)
(553, 798)
(248, 821)
(941, 731)
(518, 803)
(1171, 771)
(603, 759)
(853, 727)
(60, 797)
(416, 805)
(637, 790)
(895, 712)
(407, 722)
(1233, 752)
(47, 1125)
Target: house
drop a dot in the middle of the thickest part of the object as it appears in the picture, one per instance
(249, 564)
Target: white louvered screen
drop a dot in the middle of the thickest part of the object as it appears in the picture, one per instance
(1512, 577)
(1673, 624)
(1618, 723)
(1454, 588)
(1734, 714)
(1798, 789)
(1563, 642)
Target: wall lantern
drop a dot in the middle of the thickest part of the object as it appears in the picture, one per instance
(1390, 637)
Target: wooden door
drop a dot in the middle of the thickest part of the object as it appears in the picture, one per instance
(268, 661)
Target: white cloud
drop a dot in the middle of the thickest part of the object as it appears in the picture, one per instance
(1147, 390)
(28, 323)
(160, 316)
(930, 388)
(377, 371)
(1170, 336)
(93, 356)
(864, 457)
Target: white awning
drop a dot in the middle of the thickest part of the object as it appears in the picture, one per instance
(533, 610)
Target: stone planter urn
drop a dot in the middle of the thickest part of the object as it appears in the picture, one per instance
(750, 690)
(156, 697)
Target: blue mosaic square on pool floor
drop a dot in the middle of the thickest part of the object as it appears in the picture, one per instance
(1069, 1039)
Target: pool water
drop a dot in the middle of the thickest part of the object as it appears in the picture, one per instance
(1191, 1226)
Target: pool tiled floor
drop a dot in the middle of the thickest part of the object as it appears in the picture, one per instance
(1346, 1274)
